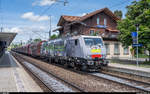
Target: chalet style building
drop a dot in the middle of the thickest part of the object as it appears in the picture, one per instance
(101, 23)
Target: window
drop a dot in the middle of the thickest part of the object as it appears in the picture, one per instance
(92, 32)
(98, 20)
(105, 21)
(107, 48)
(116, 49)
(76, 42)
(126, 51)
(93, 41)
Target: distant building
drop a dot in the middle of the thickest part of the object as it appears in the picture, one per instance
(101, 22)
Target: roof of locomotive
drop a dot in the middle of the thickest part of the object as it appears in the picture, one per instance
(87, 36)
(73, 37)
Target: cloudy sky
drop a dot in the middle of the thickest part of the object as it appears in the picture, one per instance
(30, 18)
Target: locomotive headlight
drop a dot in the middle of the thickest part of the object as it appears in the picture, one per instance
(88, 57)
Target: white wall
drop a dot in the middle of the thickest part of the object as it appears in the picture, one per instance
(111, 45)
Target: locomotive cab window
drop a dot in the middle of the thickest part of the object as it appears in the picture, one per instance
(93, 41)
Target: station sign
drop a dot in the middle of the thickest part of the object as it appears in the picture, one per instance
(101, 26)
(134, 37)
(134, 40)
(134, 34)
(137, 45)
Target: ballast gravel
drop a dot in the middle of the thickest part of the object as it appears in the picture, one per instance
(84, 81)
(54, 84)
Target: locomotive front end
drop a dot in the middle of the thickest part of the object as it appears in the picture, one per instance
(95, 52)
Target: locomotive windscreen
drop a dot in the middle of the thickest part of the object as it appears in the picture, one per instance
(93, 41)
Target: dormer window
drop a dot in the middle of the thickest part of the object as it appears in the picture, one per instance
(105, 22)
(98, 20)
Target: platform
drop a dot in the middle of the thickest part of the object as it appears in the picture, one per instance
(7, 61)
(131, 67)
(13, 78)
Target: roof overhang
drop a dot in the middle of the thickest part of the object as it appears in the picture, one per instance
(77, 22)
(7, 37)
(58, 28)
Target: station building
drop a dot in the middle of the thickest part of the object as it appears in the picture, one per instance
(101, 22)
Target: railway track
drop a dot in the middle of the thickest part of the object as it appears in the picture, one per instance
(143, 86)
(70, 85)
(127, 71)
(43, 86)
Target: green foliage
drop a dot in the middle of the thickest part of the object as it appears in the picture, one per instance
(138, 13)
(54, 36)
(37, 40)
(118, 13)
(96, 33)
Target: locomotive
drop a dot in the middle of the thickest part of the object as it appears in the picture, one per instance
(86, 53)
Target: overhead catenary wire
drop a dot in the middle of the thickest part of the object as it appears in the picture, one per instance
(44, 13)
(119, 4)
(65, 2)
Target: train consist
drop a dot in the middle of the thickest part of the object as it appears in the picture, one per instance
(86, 53)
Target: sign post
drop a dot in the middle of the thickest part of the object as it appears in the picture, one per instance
(137, 61)
(136, 43)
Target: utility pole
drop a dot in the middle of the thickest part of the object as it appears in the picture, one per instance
(50, 28)
(65, 2)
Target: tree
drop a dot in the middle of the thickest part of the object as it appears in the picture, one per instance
(54, 36)
(137, 13)
(37, 40)
(118, 13)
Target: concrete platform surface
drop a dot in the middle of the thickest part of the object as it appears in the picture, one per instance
(130, 67)
(7, 61)
(16, 79)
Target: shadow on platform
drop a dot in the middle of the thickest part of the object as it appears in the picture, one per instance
(7, 61)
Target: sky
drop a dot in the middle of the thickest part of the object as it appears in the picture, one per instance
(30, 18)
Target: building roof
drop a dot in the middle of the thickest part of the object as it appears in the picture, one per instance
(71, 18)
(8, 37)
(82, 18)
(106, 10)
(68, 19)
(111, 30)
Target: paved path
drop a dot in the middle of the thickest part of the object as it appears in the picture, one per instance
(130, 67)
(13, 78)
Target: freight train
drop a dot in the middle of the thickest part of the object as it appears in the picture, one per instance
(86, 53)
